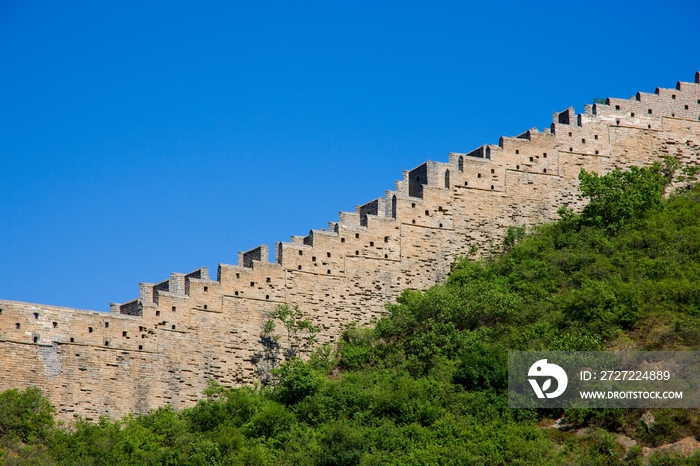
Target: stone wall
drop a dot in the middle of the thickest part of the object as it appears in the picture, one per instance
(161, 348)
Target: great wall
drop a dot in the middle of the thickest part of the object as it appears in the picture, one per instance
(163, 347)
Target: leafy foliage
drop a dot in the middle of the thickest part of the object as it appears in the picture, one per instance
(300, 338)
(426, 385)
(25, 415)
(267, 360)
(621, 196)
(301, 333)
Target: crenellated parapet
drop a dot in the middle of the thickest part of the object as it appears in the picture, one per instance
(162, 347)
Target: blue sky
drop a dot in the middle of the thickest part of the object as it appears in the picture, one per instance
(138, 138)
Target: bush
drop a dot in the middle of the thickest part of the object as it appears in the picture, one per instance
(342, 445)
(483, 367)
(25, 415)
(620, 196)
(297, 381)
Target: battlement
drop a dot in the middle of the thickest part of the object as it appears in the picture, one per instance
(245, 259)
(161, 347)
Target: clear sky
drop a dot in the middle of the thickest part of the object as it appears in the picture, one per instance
(139, 138)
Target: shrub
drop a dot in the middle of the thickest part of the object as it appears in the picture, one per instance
(25, 415)
(297, 381)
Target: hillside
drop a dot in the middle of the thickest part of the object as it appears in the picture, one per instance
(426, 384)
(162, 347)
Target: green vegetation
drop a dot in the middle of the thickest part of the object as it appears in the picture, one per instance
(299, 339)
(426, 385)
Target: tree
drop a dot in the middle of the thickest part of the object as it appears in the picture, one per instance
(620, 196)
(300, 338)
(301, 333)
(268, 359)
(25, 415)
